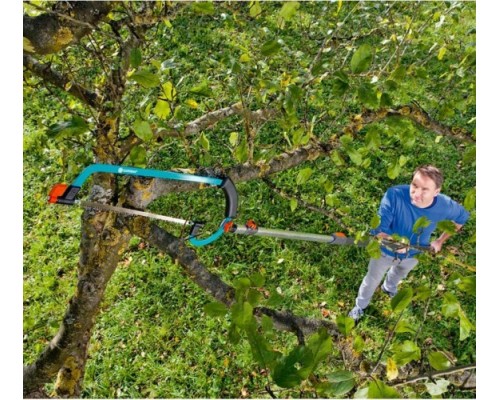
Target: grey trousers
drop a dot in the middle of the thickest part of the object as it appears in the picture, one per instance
(397, 270)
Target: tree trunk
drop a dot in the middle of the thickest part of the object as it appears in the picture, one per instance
(104, 239)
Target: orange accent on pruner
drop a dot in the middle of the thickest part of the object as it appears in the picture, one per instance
(57, 190)
(228, 226)
(251, 224)
(340, 234)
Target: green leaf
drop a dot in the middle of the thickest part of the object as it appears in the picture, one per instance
(470, 199)
(361, 59)
(422, 293)
(468, 285)
(328, 186)
(447, 226)
(135, 57)
(203, 7)
(438, 360)
(345, 324)
(138, 156)
(373, 249)
(438, 388)
(254, 297)
(470, 155)
(285, 374)
(234, 334)
(289, 9)
(406, 352)
(339, 383)
(293, 204)
(379, 390)
(358, 344)
(162, 109)
(255, 9)
(398, 74)
(450, 307)
(261, 349)
(367, 95)
(337, 159)
(266, 323)
(74, 127)
(465, 325)
(275, 300)
(145, 78)
(340, 83)
(393, 170)
(355, 156)
(375, 221)
(401, 300)
(241, 151)
(441, 53)
(244, 58)
(270, 47)
(202, 89)
(204, 142)
(404, 326)
(215, 309)
(242, 283)
(385, 100)
(168, 91)
(421, 223)
(257, 280)
(319, 347)
(304, 175)
(242, 314)
(233, 138)
(142, 130)
(372, 139)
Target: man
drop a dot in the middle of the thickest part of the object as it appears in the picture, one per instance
(399, 209)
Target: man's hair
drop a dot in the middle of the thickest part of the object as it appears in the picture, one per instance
(432, 172)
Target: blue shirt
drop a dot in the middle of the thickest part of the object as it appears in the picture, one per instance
(398, 216)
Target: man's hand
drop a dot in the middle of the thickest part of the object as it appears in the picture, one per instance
(436, 246)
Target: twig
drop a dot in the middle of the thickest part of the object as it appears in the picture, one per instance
(304, 204)
(386, 343)
(435, 374)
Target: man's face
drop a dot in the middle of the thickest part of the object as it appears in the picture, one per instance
(422, 190)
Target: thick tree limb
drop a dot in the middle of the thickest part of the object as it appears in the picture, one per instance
(63, 82)
(186, 257)
(210, 119)
(415, 113)
(241, 173)
(53, 31)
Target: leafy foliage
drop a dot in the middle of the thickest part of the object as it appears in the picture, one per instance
(319, 67)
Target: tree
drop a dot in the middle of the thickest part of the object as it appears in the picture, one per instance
(353, 86)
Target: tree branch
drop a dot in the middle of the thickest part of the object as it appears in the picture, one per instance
(186, 257)
(239, 173)
(45, 72)
(53, 31)
(210, 119)
(431, 375)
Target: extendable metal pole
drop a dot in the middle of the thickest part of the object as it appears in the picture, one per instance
(310, 237)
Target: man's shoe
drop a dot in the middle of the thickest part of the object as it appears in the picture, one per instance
(356, 313)
(387, 292)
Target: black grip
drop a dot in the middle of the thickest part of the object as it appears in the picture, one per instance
(231, 197)
(69, 195)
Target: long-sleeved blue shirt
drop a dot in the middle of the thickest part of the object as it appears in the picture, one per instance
(398, 216)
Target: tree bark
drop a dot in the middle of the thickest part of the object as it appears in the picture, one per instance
(66, 24)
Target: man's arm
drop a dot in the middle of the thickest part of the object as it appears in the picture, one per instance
(437, 244)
